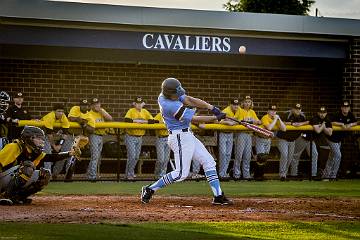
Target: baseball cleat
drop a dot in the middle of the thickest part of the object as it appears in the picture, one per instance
(146, 194)
(222, 200)
(6, 202)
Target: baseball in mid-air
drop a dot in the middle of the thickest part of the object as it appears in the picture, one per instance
(242, 49)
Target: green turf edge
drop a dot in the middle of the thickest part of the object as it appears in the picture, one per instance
(184, 231)
(346, 188)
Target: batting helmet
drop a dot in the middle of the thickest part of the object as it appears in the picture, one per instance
(4, 101)
(172, 86)
(30, 132)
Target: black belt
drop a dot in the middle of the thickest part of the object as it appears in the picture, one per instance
(183, 130)
(162, 136)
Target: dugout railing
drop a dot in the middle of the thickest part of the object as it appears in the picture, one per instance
(207, 133)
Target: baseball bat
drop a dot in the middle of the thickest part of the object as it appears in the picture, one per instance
(253, 127)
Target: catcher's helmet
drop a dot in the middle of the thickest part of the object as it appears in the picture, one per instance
(172, 86)
(4, 101)
(30, 132)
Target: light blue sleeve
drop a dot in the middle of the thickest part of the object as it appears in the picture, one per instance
(178, 110)
(182, 98)
(188, 115)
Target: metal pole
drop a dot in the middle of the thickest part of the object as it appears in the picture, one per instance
(311, 149)
(118, 155)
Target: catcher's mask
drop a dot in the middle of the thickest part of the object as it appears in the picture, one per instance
(4, 101)
(34, 137)
(172, 86)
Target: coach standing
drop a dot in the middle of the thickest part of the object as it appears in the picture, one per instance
(226, 139)
(243, 140)
(96, 115)
(287, 139)
(133, 137)
(15, 113)
(344, 119)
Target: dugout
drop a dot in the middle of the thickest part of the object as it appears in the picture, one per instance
(62, 51)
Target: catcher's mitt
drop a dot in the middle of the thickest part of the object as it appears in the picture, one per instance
(79, 143)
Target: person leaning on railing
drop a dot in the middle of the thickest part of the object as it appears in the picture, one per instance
(286, 144)
(96, 115)
(57, 139)
(344, 119)
(270, 121)
(301, 143)
(226, 139)
(243, 140)
(133, 137)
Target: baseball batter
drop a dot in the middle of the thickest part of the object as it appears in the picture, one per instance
(183, 143)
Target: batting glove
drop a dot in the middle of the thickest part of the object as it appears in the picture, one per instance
(216, 111)
(220, 116)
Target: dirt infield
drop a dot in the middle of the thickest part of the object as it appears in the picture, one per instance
(128, 209)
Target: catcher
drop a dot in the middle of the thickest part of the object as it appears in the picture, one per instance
(20, 171)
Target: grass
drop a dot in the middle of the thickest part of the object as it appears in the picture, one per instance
(184, 231)
(196, 230)
(342, 188)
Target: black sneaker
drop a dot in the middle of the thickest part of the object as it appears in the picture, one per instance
(282, 179)
(146, 194)
(222, 200)
(6, 202)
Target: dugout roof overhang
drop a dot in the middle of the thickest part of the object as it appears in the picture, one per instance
(93, 32)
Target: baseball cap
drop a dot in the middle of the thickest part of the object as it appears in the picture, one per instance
(138, 100)
(234, 101)
(322, 109)
(297, 106)
(95, 100)
(345, 104)
(58, 106)
(18, 95)
(84, 102)
(272, 107)
(248, 98)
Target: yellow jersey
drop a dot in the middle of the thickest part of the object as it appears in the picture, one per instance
(133, 114)
(229, 112)
(163, 132)
(95, 117)
(75, 112)
(267, 120)
(10, 153)
(49, 120)
(246, 115)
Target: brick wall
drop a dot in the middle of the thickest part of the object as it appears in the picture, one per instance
(351, 92)
(116, 85)
(351, 76)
